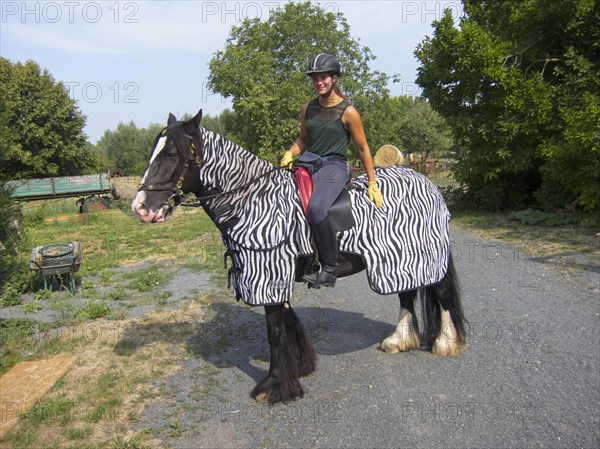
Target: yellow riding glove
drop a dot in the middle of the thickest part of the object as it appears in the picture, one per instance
(286, 160)
(375, 194)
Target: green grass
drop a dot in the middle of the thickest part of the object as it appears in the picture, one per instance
(116, 295)
(49, 410)
(112, 237)
(32, 307)
(11, 296)
(17, 341)
(80, 433)
(91, 310)
(151, 278)
(442, 178)
(109, 239)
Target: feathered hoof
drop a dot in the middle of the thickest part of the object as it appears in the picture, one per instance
(445, 347)
(306, 368)
(270, 391)
(394, 344)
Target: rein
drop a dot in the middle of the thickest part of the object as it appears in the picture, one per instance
(204, 198)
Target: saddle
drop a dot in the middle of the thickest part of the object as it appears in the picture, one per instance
(340, 212)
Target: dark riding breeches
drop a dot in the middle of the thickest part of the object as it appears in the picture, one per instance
(328, 182)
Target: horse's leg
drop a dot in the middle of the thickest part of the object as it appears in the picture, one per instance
(445, 330)
(281, 384)
(406, 335)
(304, 352)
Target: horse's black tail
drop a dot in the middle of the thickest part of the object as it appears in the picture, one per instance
(444, 296)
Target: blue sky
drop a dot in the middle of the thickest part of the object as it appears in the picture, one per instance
(140, 60)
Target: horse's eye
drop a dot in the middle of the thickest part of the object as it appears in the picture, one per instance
(172, 153)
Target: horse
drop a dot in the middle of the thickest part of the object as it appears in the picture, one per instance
(403, 246)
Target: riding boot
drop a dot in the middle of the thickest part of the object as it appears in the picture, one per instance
(328, 255)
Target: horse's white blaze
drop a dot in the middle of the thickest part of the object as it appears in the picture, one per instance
(405, 337)
(137, 206)
(138, 201)
(447, 343)
(159, 147)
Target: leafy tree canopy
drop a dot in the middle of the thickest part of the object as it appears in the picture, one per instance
(128, 147)
(41, 127)
(411, 125)
(519, 84)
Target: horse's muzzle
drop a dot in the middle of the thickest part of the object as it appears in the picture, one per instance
(144, 213)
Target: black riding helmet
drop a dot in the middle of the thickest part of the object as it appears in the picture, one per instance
(323, 63)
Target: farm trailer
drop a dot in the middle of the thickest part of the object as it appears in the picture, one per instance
(92, 190)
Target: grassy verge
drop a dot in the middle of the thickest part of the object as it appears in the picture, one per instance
(97, 403)
(569, 246)
(113, 237)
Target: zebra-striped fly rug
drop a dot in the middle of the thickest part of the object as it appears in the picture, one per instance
(405, 243)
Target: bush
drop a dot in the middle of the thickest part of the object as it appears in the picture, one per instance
(534, 217)
(10, 297)
(9, 230)
(20, 278)
(16, 336)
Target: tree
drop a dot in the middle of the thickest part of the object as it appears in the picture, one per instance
(9, 235)
(509, 81)
(41, 127)
(262, 70)
(211, 123)
(411, 125)
(128, 147)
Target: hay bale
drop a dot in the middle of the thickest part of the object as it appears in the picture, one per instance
(387, 156)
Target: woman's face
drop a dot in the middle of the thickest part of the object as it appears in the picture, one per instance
(322, 82)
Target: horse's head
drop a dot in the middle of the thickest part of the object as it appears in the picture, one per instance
(172, 170)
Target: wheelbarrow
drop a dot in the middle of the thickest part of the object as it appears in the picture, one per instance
(57, 260)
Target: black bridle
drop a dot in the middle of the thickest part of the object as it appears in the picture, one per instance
(177, 193)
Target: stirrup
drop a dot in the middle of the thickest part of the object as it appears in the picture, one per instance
(323, 277)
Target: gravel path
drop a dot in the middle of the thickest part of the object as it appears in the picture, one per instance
(529, 378)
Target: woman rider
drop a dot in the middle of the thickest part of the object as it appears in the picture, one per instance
(326, 125)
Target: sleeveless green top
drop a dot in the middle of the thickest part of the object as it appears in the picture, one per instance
(325, 132)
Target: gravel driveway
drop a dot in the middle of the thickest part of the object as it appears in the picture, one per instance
(529, 378)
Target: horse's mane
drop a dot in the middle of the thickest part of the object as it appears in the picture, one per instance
(240, 165)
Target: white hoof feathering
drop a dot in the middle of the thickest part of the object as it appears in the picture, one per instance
(447, 344)
(405, 337)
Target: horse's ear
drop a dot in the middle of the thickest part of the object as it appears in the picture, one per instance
(171, 120)
(194, 123)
